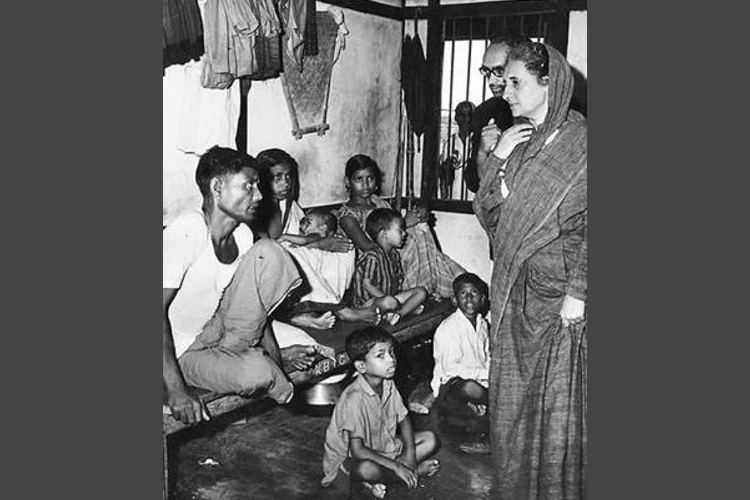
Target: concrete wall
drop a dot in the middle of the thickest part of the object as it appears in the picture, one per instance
(363, 114)
(363, 111)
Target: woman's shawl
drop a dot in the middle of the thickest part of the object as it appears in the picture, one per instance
(539, 177)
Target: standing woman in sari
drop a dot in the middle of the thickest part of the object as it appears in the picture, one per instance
(532, 203)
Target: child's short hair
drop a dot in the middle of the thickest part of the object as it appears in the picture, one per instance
(359, 342)
(472, 279)
(328, 218)
(380, 219)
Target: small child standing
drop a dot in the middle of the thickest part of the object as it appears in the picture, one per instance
(378, 275)
(461, 352)
(361, 438)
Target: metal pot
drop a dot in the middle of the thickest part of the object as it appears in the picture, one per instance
(327, 391)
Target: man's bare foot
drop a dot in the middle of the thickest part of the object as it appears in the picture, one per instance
(297, 357)
(377, 490)
(392, 318)
(428, 468)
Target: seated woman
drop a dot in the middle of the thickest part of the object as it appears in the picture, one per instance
(326, 260)
(424, 265)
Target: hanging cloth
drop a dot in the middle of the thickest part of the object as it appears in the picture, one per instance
(182, 32)
(233, 28)
(294, 15)
(415, 83)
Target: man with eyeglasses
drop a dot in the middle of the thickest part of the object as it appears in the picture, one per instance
(494, 110)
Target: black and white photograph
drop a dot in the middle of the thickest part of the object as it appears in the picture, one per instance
(374, 249)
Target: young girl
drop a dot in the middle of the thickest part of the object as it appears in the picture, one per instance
(281, 214)
(424, 265)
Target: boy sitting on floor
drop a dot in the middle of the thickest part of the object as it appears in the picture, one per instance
(460, 348)
(361, 437)
(378, 276)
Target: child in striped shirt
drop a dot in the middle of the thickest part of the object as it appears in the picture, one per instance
(378, 275)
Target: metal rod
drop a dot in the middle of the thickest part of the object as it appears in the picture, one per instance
(463, 194)
(486, 44)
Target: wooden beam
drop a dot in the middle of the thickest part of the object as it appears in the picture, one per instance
(434, 70)
(241, 138)
(488, 8)
(369, 7)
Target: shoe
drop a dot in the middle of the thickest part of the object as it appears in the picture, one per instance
(476, 448)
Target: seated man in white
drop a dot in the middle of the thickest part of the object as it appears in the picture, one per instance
(218, 292)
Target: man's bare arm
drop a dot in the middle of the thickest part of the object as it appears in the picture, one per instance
(184, 406)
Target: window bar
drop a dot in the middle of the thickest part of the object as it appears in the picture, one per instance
(520, 27)
(448, 141)
(539, 27)
(505, 24)
(464, 194)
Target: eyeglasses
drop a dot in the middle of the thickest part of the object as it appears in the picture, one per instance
(486, 72)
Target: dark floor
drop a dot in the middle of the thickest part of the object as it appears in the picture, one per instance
(277, 453)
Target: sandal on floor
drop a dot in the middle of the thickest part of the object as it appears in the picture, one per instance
(481, 447)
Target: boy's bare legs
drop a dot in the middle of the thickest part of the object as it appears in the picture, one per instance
(426, 445)
(370, 474)
(411, 300)
(388, 305)
(476, 397)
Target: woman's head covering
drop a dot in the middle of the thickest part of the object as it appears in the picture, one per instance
(560, 93)
(539, 178)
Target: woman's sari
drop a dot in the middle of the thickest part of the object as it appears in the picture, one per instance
(537, 225)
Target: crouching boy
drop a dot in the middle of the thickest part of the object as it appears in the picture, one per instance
(462, 361)
(362, 439)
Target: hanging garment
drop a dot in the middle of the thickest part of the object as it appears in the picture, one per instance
(415, 83)
(182, 32)
(232, 31)
(208, 116)
(294, 19)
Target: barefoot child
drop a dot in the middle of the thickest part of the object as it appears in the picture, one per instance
(424, 264)
(460, 349)
(327, 275)
(361, 439)
(379, 275)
